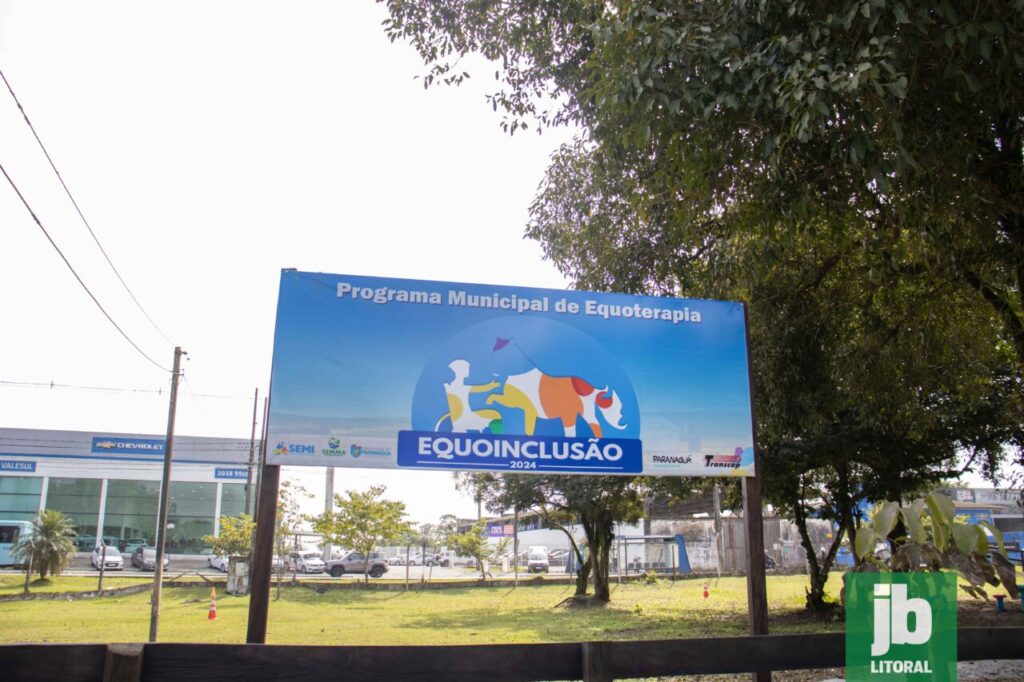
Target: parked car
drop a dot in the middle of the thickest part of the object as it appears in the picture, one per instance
(131, 544)
(447, 559)
(423, 559)
(218, 562)
(397, 560)
(277, 564)
(144, 557)
(110, 557)
(537, 561)
(305, 562)
(353, 562)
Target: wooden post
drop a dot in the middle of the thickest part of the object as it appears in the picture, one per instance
(123, 663)
(263, 554)
(596, 662)
(757, 595)
(757, 592)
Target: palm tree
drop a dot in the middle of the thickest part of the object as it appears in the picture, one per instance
(50, 546)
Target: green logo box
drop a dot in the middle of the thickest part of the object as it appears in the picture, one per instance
(900, 626)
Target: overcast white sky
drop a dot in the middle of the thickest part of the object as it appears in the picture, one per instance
(210, 145)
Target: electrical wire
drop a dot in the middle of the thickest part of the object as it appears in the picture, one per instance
(73, 272)
(79, 210)
(112, 389)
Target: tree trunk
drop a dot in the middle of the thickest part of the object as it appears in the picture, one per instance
(818, 570)
(600, 539)
(583, 577)
(28, 572)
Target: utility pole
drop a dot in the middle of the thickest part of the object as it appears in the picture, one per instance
(719, 544)
(328, 508)
(515, 544)
(165, 484)
(262, 454)
(252, 452)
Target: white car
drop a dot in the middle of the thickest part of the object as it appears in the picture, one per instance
(110, 557)
(305, 562)
(218, 561)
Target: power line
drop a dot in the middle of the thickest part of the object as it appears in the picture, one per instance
(70, 267)
(79, 210)
(113, 389)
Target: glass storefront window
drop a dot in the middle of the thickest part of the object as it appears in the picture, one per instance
(19, 497)
(79, 499)
(130, 515)
(232, 499)
(191, 511)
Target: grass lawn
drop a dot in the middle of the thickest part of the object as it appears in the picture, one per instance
(14, 583)
(451, 616)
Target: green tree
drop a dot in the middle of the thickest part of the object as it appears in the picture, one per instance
(852, 170)
(596, 503)
(474, 543)
(50, 547)
(235, 538)
(740, 118)
(363, 521)
(288, 519)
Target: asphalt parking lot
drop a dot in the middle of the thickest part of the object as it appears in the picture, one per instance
(80, 565)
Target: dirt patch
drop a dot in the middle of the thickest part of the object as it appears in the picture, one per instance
(983, 613)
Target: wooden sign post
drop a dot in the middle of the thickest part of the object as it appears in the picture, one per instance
(263, 554)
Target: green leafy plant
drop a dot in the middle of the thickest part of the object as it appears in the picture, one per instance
(474, 543)
(48, 550)
(363, 521)
(933, 539)
(235, 536)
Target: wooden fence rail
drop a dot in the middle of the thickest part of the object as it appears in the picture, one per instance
(589, 661)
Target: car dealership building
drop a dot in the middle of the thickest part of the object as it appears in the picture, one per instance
(109, 483)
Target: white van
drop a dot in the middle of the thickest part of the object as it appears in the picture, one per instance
(537, 559)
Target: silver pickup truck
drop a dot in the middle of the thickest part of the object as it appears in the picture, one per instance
(353, 562)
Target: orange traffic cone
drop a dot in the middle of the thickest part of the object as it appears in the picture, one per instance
(213, 604)
(705, 590)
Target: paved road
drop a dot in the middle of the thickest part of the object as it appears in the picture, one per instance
(80, 565)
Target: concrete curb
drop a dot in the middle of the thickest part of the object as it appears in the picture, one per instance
(74, 596)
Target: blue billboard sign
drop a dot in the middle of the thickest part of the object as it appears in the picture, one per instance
(393, 373)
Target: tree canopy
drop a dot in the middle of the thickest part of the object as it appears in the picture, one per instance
(363, 521)
(853, 170)
(740, 117)
(235, 538)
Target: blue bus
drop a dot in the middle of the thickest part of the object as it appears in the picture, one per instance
(10, 533)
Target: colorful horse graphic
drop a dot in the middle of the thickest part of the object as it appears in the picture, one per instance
(536, 394)
(563, 398)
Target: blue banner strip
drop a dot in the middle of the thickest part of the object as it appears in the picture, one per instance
(489, 452)
(15, 465)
